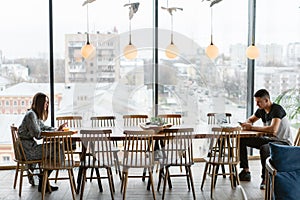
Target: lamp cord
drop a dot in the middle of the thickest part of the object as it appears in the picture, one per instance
(87, 23)
(211, 26)
(172, 29)
(129, 28)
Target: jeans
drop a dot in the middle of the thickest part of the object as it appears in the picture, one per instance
(261, 143)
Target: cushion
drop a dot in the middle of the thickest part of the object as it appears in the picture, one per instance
(285, 158)
(287, 185)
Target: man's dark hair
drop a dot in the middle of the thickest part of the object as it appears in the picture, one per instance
(262, 93)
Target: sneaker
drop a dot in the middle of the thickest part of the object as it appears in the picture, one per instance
(244, 176)
(263, 185)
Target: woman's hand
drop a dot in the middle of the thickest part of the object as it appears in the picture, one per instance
(60, 128)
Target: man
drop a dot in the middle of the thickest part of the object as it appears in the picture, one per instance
(275, 122)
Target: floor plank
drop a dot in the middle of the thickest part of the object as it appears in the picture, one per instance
(137, 189)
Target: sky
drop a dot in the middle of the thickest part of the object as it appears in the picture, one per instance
(25, 33)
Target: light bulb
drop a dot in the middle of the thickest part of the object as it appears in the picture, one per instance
(172, 51)
(212, 51)
(130, 52)
(252, 52)
(88, 51)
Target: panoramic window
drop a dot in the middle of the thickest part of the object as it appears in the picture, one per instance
(278, 65)
(24, 63)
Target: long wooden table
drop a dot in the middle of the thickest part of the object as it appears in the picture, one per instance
(200, 132)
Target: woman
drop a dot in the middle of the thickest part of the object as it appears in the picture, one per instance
(31, 128)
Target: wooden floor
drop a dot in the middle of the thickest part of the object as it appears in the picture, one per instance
(137, 189)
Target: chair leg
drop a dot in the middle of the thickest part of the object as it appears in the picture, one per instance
(223, 171)
(213, 177)
(83, 179)
(92, 172)
(123, 178)
(125, 185)
(56, 176)
(204, 175)
(79, 179)
(165, 183)
(267, 192)
(110, 181)
(144, 174)
(231, 176)
(169, 178)
(192, 182)
(71, 177)
(237, 179)
(16, 175)
(157, 166)
(44, 184)
(117, 165)
(160, 176)
(99, 180)
(152, 182)
(21, 179)
(187, 177)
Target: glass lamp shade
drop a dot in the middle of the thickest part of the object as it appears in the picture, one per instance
(252, 52)
(172, 51)
(88, 51)
(130, 52)
(212, 51)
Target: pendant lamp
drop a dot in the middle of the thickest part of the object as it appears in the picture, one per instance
(130, 51)
(88, 51)
(171, 50)
(212, 50)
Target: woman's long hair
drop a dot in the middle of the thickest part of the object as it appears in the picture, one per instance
(37, 105)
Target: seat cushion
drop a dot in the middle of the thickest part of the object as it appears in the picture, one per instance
(286, 161)
(285, 158)
(287, 185)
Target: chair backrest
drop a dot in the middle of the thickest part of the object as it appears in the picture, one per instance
(17, 144)
(103, 121)
(212, 117)
(73, 121)
(297, 139)
(174, 119)
(134, 120)
(97, 144)
(138, 149)
(178, 147)
(226, 145)
(57, 150)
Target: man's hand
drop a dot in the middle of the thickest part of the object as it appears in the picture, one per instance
(246, 126)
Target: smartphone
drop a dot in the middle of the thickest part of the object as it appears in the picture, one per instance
(240, 123)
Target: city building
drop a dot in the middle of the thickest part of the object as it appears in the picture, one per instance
(102, 68)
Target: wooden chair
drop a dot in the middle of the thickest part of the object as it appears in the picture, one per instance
(270, 180)
(211, 117)
(73, 122)
(174, 119)
(107, 121)
(103, 121)
(297, 139)
(57, 155)
(177, 151)
(138, 154)
(212, 120)
(134, 120)
(225, 151)
(22, 162)
(97, 152)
